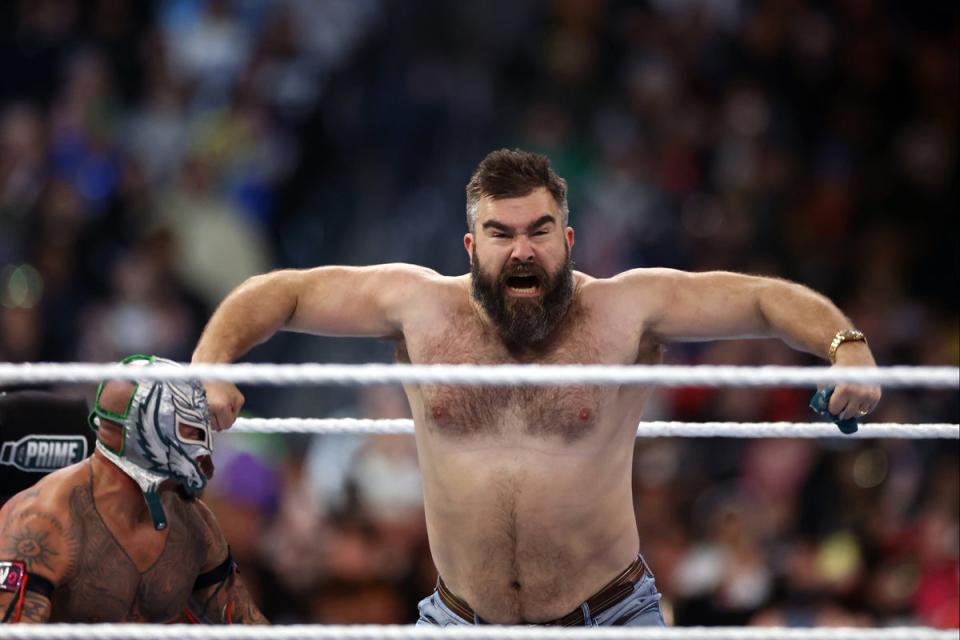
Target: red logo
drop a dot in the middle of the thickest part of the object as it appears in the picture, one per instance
(11, 576)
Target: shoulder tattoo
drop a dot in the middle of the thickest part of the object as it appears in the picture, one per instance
(41, 541)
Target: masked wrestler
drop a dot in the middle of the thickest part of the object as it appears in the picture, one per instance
(122, 535)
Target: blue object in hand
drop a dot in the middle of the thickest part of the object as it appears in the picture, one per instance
(820, 403)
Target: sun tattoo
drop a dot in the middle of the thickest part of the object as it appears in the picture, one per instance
(32, 548)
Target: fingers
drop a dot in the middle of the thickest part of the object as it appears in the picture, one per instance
(224, 401)
(852, 401)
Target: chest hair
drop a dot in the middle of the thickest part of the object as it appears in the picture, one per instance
(566, 412)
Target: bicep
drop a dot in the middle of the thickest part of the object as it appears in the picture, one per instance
(39, 545)
(682, 306)
(37, 537)
(355, 301)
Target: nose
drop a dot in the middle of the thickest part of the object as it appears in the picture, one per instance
(522, 249)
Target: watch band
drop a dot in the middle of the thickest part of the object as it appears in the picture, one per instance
(844, 335)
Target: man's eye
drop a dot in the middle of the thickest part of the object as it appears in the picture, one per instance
(497, 234)
(541, 232)
(190, 432)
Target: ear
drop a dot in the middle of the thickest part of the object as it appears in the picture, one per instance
(570, 237)
(468, 245)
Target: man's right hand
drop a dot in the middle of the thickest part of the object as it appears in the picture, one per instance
(224, 401)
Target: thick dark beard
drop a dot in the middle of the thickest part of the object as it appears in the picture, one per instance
(524, 322)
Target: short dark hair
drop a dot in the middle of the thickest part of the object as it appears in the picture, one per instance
(513, 173)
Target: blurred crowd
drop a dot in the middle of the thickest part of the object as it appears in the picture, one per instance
(153, 155)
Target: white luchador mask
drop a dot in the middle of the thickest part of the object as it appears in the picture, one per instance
(165, 432)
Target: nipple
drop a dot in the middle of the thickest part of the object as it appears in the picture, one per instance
(584, 414)
(437, 412)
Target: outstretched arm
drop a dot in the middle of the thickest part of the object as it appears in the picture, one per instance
(681, 306)
(332, 301)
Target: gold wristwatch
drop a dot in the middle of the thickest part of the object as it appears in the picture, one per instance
(844, 335)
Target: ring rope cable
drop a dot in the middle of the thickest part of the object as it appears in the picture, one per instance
(491, 632)
(495, 375)
(656, 429)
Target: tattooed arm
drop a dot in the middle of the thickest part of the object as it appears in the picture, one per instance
(33, 532)
(36, 608)
(227, 601)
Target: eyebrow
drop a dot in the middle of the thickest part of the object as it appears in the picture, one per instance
(499, 226)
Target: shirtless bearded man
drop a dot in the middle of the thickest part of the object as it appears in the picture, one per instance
(122, 536)
(527, 491)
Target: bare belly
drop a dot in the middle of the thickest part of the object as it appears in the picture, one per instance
(527, 490)
(525, 531)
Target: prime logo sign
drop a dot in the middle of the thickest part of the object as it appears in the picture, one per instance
(42, 454)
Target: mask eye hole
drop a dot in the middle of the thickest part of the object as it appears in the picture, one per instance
(191, 433)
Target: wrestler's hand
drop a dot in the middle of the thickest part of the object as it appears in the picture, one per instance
(224, 401)
(851, 400)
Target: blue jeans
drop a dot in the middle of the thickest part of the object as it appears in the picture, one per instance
(639, 609)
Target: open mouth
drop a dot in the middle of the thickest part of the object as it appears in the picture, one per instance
(206, 466)
(523, 285)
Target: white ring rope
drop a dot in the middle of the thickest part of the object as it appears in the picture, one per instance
(660, 429)
(409, 632)
(369, 374)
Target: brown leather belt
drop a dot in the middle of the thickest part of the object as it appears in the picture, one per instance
(614, 591)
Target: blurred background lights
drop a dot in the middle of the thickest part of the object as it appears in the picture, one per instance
(20, 286)
(870, 468)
